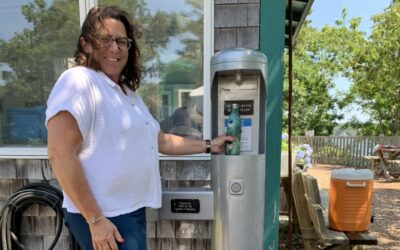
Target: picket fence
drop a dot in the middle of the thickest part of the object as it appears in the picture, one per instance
(344, 151)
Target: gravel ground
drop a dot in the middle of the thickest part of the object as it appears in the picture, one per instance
(385, 207)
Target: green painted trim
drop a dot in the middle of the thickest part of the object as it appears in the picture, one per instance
(272, 42)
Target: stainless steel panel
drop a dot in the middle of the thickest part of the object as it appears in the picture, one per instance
(238, 184)
(239, 58)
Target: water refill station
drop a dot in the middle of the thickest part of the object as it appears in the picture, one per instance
(239, 76)
(235, 201)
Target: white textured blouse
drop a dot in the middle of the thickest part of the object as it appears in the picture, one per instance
(119, 153)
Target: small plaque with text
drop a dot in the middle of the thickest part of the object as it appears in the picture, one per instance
(185, 206)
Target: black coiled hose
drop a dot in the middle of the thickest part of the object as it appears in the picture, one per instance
(10, 222)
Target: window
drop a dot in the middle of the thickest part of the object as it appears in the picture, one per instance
(38, 40)
(172, 51)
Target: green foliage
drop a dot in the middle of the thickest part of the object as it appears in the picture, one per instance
(34, 53)
(372, 64)
(154, 30)
(38, 55)
(376, 75)
(314, 69)
(284, 146)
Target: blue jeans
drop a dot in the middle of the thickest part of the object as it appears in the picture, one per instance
(131, 226)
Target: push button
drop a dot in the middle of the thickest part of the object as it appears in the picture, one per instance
(236, 187)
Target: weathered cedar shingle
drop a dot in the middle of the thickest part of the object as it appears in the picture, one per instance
(230, 16)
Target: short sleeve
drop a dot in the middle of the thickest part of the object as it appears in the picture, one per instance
(73, 93)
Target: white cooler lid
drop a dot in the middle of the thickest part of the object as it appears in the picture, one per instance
(352, 174)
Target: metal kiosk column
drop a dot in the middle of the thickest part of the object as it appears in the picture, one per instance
(239, 76)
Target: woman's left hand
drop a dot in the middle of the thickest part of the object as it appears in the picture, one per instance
(218, 143)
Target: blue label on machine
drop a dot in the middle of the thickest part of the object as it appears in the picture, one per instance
(246, 122)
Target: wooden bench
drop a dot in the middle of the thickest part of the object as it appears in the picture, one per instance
(376, 160)
(313, 219)
(380, 168)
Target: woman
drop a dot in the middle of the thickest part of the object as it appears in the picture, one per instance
(103, 143)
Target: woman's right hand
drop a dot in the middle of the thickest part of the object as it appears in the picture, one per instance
(105, 235)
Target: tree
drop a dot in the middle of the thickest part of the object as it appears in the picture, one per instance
(186, 70)
(313, 107)
(370, 63)
(34, 54)
(375, 73)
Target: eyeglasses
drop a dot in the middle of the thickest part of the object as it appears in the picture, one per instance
(123, 43)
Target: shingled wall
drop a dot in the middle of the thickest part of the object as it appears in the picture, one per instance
(236, 25)
(38, 223)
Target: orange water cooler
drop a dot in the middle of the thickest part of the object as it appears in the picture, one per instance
(350, 199)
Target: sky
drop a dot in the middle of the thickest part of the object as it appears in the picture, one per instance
(169, 6)
(325, 12)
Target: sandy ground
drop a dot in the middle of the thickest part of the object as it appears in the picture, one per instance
(385, 207)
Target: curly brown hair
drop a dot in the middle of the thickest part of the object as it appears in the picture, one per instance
(131, 73)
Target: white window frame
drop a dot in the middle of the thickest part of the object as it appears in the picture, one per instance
(84, 7)
(40, 152)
